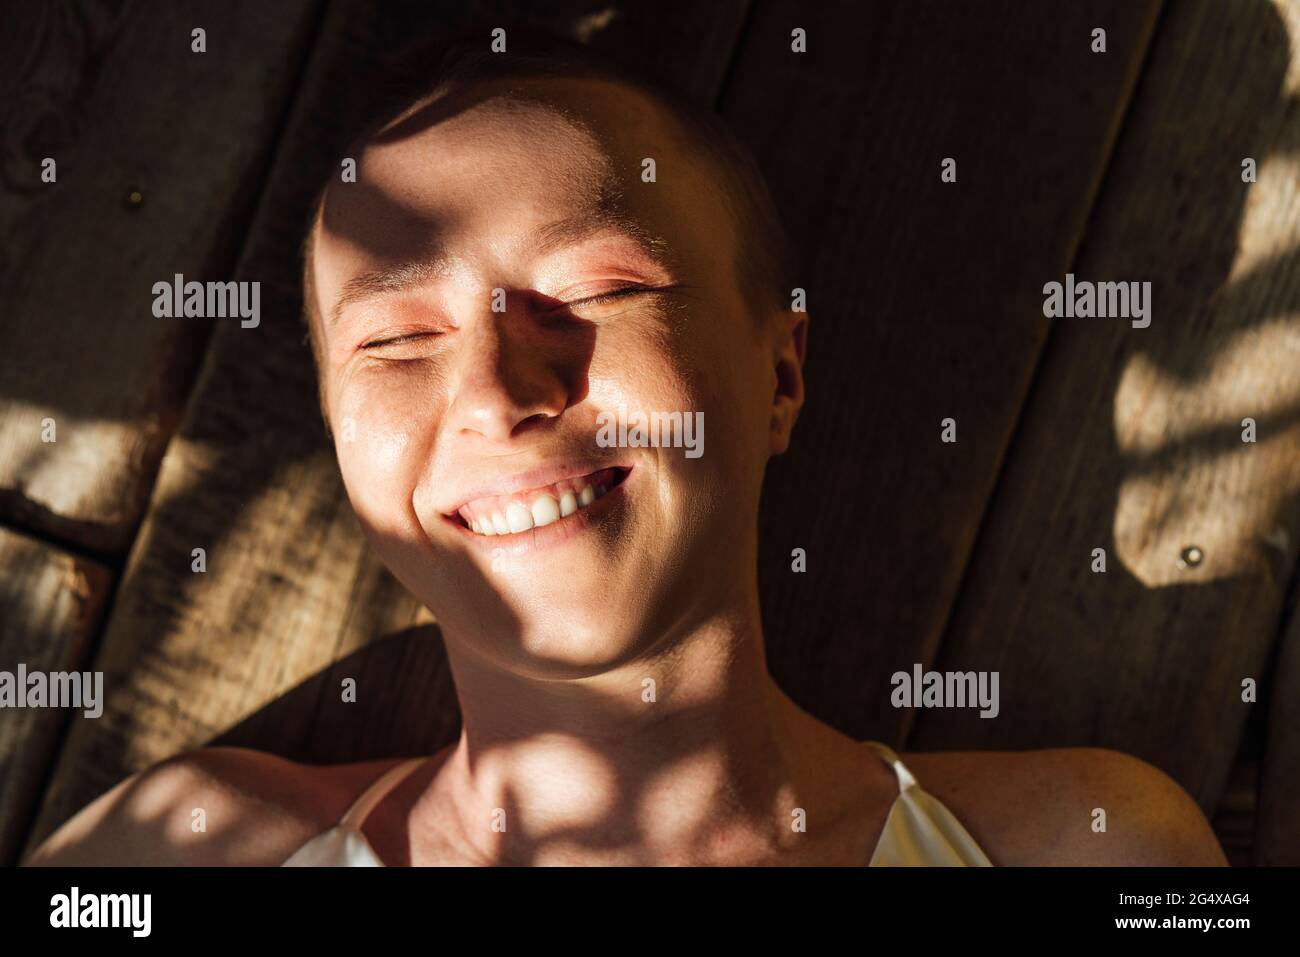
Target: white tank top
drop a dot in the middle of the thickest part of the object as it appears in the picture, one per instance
(918, 832)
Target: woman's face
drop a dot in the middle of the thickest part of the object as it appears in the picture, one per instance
(469, 365)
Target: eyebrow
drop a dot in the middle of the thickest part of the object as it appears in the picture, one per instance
(546, 240)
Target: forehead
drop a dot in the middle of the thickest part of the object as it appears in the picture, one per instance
(483, 169)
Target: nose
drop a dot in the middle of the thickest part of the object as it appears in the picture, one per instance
(504, 383)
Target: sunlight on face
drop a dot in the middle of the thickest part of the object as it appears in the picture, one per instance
(616, 293)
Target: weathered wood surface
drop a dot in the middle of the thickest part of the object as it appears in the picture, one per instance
(923, 297)
(1234, 819)
(290, 587)
(1277, 821)
(52, 603)
(115, 95)
(1132, 438)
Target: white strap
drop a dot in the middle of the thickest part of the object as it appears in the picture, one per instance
(905, 779)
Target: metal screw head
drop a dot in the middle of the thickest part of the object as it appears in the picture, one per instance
(1191, 556)
(134, 198)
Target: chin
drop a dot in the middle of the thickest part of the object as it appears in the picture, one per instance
(583, 637)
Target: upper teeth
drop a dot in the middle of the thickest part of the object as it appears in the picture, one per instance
(498, 517)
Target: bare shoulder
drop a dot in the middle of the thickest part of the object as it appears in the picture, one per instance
(255, 808)
(1048, 807)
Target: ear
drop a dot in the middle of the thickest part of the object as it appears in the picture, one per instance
(789, 346)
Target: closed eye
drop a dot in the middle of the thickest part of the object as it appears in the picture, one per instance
(398, 340)
(611, 296)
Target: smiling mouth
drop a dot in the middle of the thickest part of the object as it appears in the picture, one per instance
(535, 508)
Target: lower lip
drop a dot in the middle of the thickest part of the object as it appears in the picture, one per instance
(548, 536)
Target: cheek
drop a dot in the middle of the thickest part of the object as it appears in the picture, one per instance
(378, 428)
(706, 361)
(688, 367)
(651, 366)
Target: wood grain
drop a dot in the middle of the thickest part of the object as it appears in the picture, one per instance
(1234, 820)
(115, 95)
(1132, 438)
(1277, 821)
(923, 298)
(50, 607)
(254, 650)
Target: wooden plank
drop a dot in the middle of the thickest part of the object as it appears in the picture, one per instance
(1277, 822)
(50, 607)
(1234, 818)
(1132, 440)
(253, 651)
(1236, 815)
(923, 297)
(115, 95)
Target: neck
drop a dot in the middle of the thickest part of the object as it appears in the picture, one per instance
(688, 755)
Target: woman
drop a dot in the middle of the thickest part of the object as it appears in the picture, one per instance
(530, 248)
